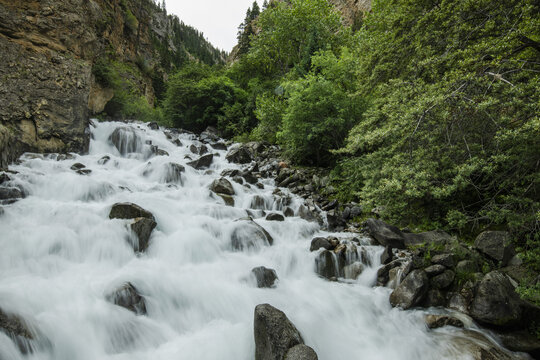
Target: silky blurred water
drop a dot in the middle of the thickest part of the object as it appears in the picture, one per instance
(61, 255)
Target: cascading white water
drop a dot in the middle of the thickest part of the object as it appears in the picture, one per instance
(61, 254)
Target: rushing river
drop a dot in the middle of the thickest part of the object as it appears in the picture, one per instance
(60, 255)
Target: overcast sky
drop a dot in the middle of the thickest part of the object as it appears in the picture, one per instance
(217, 19)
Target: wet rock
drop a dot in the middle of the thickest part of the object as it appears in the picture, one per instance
(202, 163)
(444, 280)
(387, 256)
(210, 134)
(219, 146)
(258, 203)
(77, 166)
(353, 271)
(238, 179)
(9, 195)
(129, 211)
(458, 302)
(17, 329)
(495, 244)
(306, 214)
(265, 277)
(158, 152)
(434, 297)
(250, 178)
(386, 235)
(434, 270)
(153, 126)
(104, 160)
(383, 274)
(274, 333)
(521, 341)
(4, 178)
(275, 217)
(229, 200)
(128, 297)
(177, 142)
(173, 173)
(84, 171)
(222, 186)
(142, 227)
(443, 259)
(411, 291)
(496, 302)
(126, 140)
(301, 352)
(239, 155)
(438, 321)
(230, 172)
(320, 242)
(288, 212)
(327, 265)
(248, 234)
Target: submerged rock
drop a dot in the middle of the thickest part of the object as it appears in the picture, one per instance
(126, 140)
(128, 297)
(265, 277)
(19, 332)
(274, 333)
(248, 234)
(437, 321)
(173, 173)
(275, 217)
(142, 227)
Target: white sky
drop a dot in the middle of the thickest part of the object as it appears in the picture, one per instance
(217, 19)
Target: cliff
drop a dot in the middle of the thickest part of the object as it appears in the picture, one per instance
(49, 50)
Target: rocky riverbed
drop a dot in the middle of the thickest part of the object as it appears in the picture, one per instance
(163, 244)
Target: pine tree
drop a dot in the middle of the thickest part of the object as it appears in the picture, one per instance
(265, 5)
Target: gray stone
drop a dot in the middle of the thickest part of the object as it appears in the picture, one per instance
(306, 214)
(443, 259)
(129, 211)
(275, 217)
(434, 297)
(77, 166)
(467, 266)
(301, 352)
(126, 140)
(434, 270)
(229, 200)
(274, 333)
(239, 155)
(429, 237)
(202, 163)
(444, 280)
(356, 211)
(411, 291)
(458, 302)
(142, 227)
(437, 321)
(387, 255)
(153, 125)
(128, 297)
(386, 235)
(265, 277)
(495, 244)
(222, 186)
(17, 329)
(248, 234)
(173, 173)
(288, 212)
(320, 242)
(496, 302)
(327, 265)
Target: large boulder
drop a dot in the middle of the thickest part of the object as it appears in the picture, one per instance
(411, 291)
(128, 297)
(275, 217)
(274, 333)
(320, 242)
(202, 163)
(496, 245)
(126, 140)
(239, 155)
(386, 235)
(301, 352)
(265, 277)
(496, 302)
(129, 211)
(222, 186)
(248, 234)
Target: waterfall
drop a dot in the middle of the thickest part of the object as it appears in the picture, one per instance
(62, 256)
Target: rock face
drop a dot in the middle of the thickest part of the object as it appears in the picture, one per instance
(496, 302)
(265, 277)
(301, 352)
(495, 244)
(274, 333)
(411, 291)
(127, 297)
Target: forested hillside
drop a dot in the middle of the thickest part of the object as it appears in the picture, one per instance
(428, 112)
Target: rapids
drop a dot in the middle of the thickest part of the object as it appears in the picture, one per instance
(61, 254)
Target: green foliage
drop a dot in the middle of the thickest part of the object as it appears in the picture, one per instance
(198, 96)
